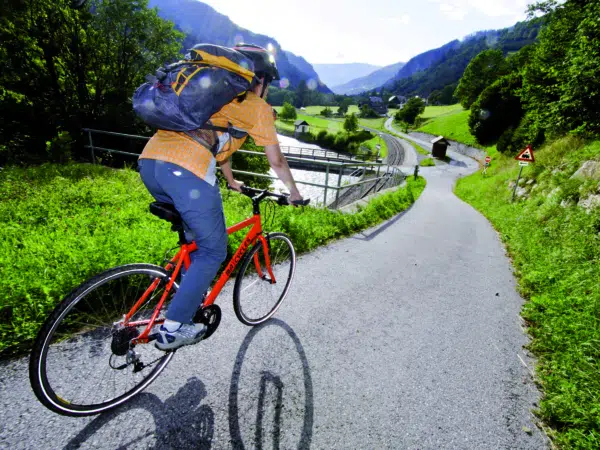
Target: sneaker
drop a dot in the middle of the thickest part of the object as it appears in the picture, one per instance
(184, 335)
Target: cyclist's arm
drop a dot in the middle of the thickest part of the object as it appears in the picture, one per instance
(228, 174)
(280, 166)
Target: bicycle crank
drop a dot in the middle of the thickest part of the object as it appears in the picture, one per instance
(209, 316)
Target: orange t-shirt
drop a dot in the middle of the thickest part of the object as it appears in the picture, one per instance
(253, 115)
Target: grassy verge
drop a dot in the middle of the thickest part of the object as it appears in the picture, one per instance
(372, 143)
(63, 224)
(376, 124)
(427, 162)
(555, 246)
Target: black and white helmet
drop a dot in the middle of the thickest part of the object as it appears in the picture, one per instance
(264, 62)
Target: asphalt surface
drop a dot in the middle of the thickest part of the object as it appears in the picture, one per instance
(405, 336)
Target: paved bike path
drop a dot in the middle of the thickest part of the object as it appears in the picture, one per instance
(406, 336)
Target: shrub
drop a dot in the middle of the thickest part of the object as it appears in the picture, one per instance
(497, 109)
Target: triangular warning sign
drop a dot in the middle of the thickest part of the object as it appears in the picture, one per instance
(526, 155)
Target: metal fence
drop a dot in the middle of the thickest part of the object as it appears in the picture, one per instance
(372, 175)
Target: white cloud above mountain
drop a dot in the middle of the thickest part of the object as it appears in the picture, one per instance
(458, 9)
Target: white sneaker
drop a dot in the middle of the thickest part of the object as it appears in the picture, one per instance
(184, 335)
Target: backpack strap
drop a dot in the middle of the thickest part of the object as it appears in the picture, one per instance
(230, 131)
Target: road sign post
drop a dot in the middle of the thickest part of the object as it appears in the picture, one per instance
(486, 165)
(517, 183)
(524, 158)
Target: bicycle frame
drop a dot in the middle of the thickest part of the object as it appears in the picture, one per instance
(183, 258)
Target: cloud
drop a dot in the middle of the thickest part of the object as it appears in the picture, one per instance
(453, 11)
(404, 19)
(458, 9)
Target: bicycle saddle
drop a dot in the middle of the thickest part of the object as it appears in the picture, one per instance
(167, 212)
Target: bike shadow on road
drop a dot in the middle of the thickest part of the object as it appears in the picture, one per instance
(268, 429)
(372, 233)
(179, 420)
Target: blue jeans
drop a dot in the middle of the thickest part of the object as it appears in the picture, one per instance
(201, 209)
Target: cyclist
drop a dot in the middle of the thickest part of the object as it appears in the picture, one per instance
(179, 168)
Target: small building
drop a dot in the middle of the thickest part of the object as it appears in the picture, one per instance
(439, 146)
(377, 104)
(396, 101)
(301, 126)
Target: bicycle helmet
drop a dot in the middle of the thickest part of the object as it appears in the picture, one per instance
(264, 62)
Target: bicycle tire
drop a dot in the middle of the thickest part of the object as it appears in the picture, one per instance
(44, 389)
(252, 279)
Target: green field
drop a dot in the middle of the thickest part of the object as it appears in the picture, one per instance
(316, 124)
(453, 124)
(435, 111)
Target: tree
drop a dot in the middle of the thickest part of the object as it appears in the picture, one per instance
(367, 112)
(327, 112)
(351, 123)
(301, 94)
(344, 105)
(288, 112)
(561, 84)
(73, 68)
(413, 108)
(497, 109)
(482, 71)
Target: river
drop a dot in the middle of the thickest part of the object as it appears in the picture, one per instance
(316, 194)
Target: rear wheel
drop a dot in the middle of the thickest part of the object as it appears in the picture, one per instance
(82, 361)
(256, 296)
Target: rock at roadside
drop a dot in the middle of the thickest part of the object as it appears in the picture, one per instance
(593, 201)
(521, 192)
(589, 169)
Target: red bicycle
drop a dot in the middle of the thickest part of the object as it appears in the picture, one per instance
(95, 351)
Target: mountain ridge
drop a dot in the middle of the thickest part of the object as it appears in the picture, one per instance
(366, 83)
(341, 73)
(202, 23)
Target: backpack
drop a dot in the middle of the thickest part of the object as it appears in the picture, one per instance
(184, 95)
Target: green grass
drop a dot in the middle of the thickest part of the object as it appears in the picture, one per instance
(316, 124)
(435, 111)
(377, 124)
(556, 254)
(454, 125)
(65, 223)
(371, 143)
(427, 162)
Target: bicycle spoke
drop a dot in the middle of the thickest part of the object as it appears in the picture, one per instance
(80, 350)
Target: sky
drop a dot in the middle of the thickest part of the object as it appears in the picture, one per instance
(379, 32)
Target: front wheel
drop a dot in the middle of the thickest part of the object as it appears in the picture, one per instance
(83, 361)
(258, 291)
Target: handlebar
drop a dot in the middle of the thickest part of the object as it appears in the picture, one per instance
(260, 194)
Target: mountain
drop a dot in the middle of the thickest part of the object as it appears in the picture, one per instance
(371, 81)
(201, 23)
(337, 74)
(303, 65)
(438, 68)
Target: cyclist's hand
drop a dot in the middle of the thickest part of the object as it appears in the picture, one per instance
(296, 197)
(236, 185)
